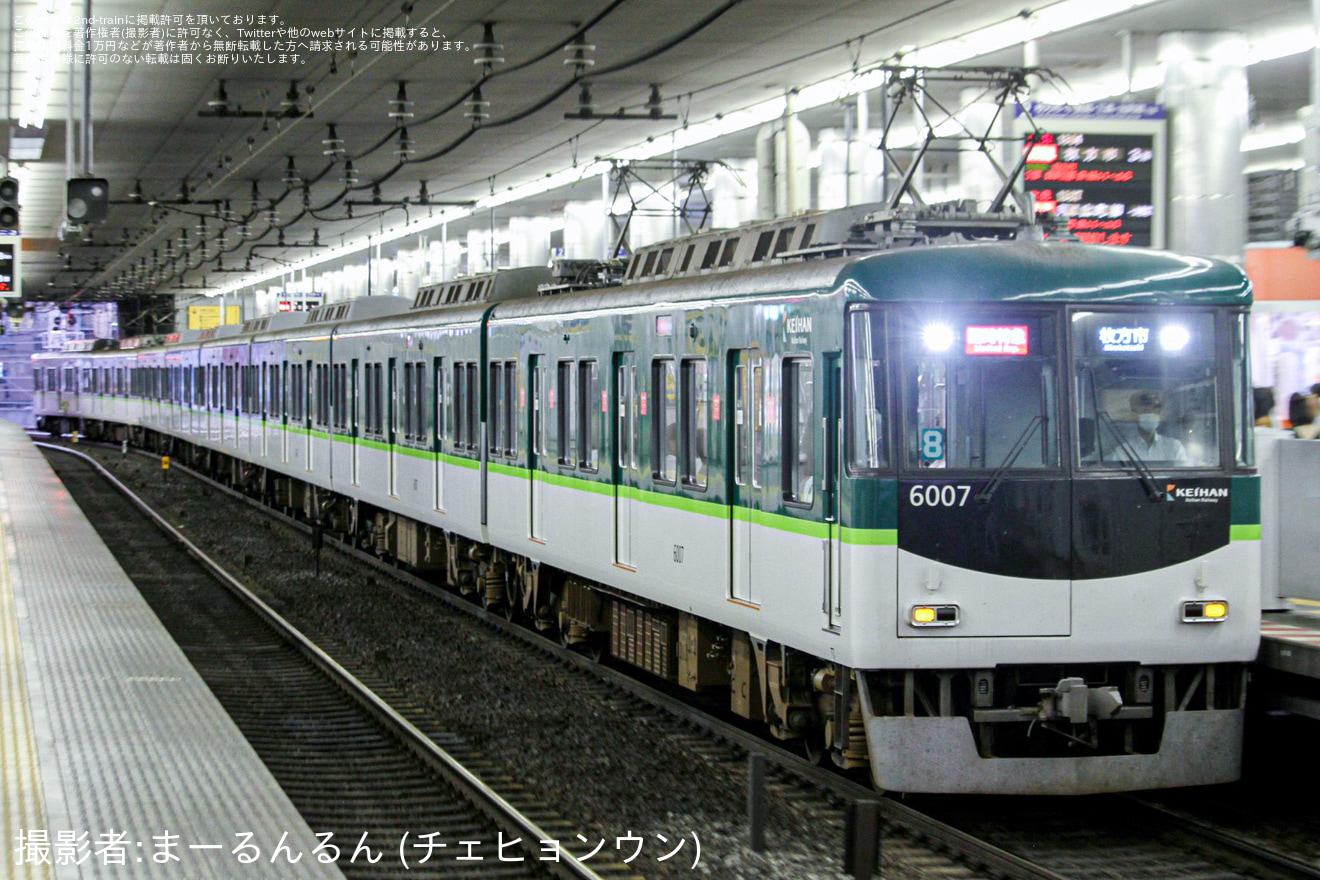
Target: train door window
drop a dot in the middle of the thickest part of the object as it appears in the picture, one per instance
(511, 409)
(588, 395)
(730, 246)
(473, 409)
(119, 381)
(664, 421)
(687, 258)
(694, 428)
(378, 380)
(305, 392)
(536, 390)
(438, 377)
(756, 387)
(782, 242)
(799, 448)
(762, 248)
(741, 424)
(495, 408)
(865, 421)
(229, 386)
(407, 401)
(567, 427)
(712, 253)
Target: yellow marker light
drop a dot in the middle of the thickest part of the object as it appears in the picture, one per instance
(922, 614)
(1212, 611)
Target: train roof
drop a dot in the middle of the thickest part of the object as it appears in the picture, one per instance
(1045, 272)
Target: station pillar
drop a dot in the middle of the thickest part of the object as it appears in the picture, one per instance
(1310, 194)
(1205, 95)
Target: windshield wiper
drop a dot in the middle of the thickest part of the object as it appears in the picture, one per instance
(1138, 463)
(984, 496)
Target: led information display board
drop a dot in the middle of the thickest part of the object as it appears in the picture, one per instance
(1100, 169)
(208, 317)
(1101, 185)
(11, 285)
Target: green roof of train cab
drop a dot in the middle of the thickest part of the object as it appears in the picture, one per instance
(1037, 272)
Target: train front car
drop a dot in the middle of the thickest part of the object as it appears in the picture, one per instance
(1047, 449)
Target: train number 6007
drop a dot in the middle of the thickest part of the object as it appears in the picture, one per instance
(938, 496)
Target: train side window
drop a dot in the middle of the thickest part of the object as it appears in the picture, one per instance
(664, 422)
(649, 265)
(799, 459)
(495, 406)
(379, 381)
(762, 246)
(694, 426)
(567, 426)
(460, 405)
(730, 246)
(511, 409)
(687, 258)
(806, 236)
(588, 394)
(712, 253)
(632, 267)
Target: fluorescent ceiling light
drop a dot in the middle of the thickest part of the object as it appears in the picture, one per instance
(1268, 136)
(26, 144)
(45, 52)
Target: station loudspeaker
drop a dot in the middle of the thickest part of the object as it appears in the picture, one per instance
(89, 199)
(8, 204)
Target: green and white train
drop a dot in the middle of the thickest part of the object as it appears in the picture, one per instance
(921, 492)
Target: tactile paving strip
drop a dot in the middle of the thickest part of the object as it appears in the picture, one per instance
(128, 737)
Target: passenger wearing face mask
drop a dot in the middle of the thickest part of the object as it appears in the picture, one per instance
(1150, 444)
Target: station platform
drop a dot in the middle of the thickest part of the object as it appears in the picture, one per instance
(1290, 640)
(115, 758)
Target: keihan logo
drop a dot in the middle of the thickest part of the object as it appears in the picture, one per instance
(1194, 493)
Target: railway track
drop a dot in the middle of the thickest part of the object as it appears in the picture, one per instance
(351, 763)
(1011, 837)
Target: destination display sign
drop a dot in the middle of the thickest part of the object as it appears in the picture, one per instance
(1101, 185)
(9, 286)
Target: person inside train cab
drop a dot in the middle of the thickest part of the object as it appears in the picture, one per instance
(1151, 445)
(1302, 415)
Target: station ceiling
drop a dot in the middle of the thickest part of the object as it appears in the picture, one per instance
(707, 58)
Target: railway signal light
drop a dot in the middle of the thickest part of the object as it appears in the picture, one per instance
(8, 204)
(88, 199)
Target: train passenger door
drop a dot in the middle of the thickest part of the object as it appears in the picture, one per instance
(393, 410)
(747, 483)
(625, 455)
(831, 456)
(535, 447)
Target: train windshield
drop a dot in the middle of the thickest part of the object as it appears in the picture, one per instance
(981, 392)
(1146, 389)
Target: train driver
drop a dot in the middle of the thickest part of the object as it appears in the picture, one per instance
(1150, 444)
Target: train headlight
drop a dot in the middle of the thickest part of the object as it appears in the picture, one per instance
(933, 615)
(937, 337)
(1214, 611)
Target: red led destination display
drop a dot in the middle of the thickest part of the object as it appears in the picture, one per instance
(1101, 185)
(1012, 339)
